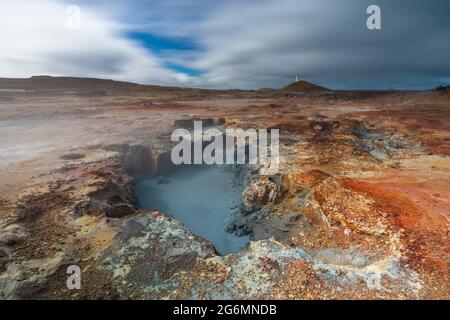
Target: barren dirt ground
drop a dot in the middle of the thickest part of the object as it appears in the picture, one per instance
(361, 206)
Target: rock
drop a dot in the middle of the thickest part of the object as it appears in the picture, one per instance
(4, 259)
(3, 263)
(138, 161)
(151, 246)
(176, 252)
(258, 194)
(13, 228)
(264, 191)
(324, 126)
(357, 213)
(291, 219)
(113, 199)
(3, 253)
(307, 179)
(13, 234)
(120, 211)
(23, 280)
(238, 225)
(72, 156)
(283, 183)
(10, 239)
(131, 229)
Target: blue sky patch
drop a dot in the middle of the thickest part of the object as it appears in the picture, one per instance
(159, 44)
(179, 68)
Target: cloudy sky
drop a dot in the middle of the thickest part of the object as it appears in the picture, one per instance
(231, 43)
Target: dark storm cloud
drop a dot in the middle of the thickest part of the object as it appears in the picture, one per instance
(328, 42)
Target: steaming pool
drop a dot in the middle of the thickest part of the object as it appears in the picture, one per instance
(202, 197)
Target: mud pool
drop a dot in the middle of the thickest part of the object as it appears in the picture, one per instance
(202, 197)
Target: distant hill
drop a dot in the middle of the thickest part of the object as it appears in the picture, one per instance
(48, 83)
(99, 87)
(91, 87)
(266, 90)
(303, 86)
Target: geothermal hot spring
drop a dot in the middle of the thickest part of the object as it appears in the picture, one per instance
(202, 197)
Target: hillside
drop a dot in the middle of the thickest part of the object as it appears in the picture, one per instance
(303, 86)
(64, 84)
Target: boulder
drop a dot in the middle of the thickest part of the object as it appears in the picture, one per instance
(264, 191)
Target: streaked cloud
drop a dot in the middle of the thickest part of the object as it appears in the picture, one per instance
(35, 41)
(229, 44)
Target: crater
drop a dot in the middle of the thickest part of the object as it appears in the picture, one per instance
(204, 198)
